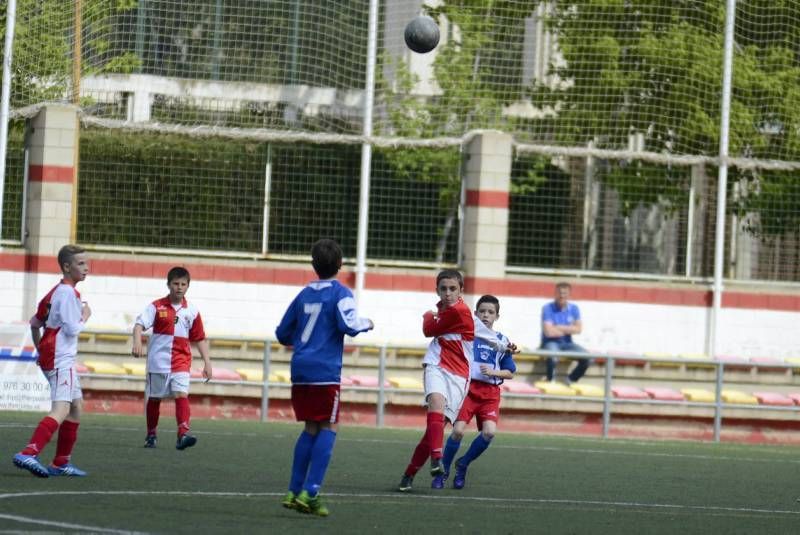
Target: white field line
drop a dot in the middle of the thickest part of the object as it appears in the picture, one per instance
(63, 525)
(395, 496)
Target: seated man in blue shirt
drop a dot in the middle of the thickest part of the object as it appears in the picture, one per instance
(560, 320)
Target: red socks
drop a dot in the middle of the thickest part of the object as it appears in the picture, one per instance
(153, 410)
(182, 415)
(435, 433)
(67, 435)
(41, 436)
(429, 445)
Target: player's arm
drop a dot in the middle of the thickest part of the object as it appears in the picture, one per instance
(551, 330)
(202, 347)
(143, 322)
(286, 328)
(490, 337)
(448, 320)
(491, 372)
(36, 331)
(574, 328)
(348, 319)
(73, 318)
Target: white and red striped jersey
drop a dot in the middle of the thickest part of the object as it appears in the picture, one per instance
(59, 312)
(454, 330)
(174, 328)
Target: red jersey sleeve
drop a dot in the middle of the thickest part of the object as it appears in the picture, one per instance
(454, 319)
(196, 333)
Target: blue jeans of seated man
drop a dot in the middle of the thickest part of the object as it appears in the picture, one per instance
(580, 369)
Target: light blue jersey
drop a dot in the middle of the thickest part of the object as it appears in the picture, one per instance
(483, 353)
(315, 325)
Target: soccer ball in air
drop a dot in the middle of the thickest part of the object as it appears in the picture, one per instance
(422, 34)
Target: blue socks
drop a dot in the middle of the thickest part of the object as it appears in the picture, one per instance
(450, 450)
(321, 453)
(302, 456)
(477, 447)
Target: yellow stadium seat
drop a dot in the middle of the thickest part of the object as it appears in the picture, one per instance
(794, 361)
(736, 396)
(112, 337)
(105, 368)
(282, 376)
(369, 350)
(411, 352)
(657, 364)
(690, 357)
(251, 374)
(135, 368)
(527, 357)
(698, 394)
(256, 345)
(231, 344)
(554, 389)
(591, 391)
(406, 382)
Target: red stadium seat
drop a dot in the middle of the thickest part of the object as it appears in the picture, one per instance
(794, 396)
(367, 380)
(662, 393)
(218, 374)
(627, 361)
(80, 368)
(519, 387)
(629, 392)
(734, 363)
(346, 381)
(773, 398)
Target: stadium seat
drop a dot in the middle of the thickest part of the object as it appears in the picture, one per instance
(113, 337)
(369, 350)
(627, 358)
(738, 397)
(692, 358)
(138, 369)
(629, 392)
(554, 389)
(662, 393)
(252, 374)
(81, 369)
(764, 364)
(346, 381)
(527, 357)
(406, 382)
(104, 368)
(222, 374)
(795, 362)
(367, 380)
(773, 398)
(698, 395)
(519, 387)
(661, 364)
(411, 352)
(794, 396)
(586, 390)
(732, 362)
(284, 376)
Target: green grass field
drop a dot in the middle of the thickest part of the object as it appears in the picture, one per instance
(233, 480)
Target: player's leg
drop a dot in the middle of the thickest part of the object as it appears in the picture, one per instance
(582, 365)
(60, 396)
(327, 401)
(155, 388)
(450, 450)
(67, 436)
(179, 387)
(487, 414)
(300, 462)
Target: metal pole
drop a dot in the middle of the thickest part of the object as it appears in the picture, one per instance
(23, 224)
(381, 392)
(718, 403)
(366, 152)
(607, 396)
(267, 191)
(722, 186)
(690, 224)
(265, 382)
(5, 99)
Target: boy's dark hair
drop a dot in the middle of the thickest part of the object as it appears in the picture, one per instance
(491, 300)
(450, 274)
(178, 272)
(67, 253)
(564, 286)
(326, 258)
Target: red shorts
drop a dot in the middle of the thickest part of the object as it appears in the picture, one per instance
(482, 402)
(316, 403)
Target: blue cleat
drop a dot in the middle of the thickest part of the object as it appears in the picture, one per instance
(461, 475)
(438, 481)
(66, 470)
(31, 464)
(185, 441)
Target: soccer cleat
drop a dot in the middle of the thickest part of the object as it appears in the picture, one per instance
(66, 470)
(437, 468)
(439, 481)
(185, 441)
(150, 441)
(31, 464)
(311, 505)
(290, 500)
(461, 475)
(405, 483)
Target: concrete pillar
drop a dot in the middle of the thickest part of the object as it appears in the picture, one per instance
(52, 188)
(488, 184)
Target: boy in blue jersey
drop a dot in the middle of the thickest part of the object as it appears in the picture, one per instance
(488, 369)
(315, 324)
